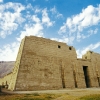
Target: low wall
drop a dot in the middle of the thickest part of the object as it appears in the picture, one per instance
(6, 79)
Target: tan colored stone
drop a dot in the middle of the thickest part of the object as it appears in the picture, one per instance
(43, 64)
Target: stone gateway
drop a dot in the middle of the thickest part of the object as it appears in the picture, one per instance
(43, 64)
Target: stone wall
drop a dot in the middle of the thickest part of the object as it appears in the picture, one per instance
(6, 79)
(94, 68)
(43, 64)
(16, 67)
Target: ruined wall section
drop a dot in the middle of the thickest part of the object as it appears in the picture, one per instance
(6, 79)
(87, 55)
(80, 78)
(95, 58)
(43, 64)
(94, 67)
(16, 67)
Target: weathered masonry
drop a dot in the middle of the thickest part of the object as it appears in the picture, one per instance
(43, 64)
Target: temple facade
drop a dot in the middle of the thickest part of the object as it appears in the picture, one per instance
(44, 64)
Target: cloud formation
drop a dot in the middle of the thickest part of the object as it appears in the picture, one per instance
(75, 25)
(9, 52)
(89, 47)
(10, 18)
(36, 25)
(54, 11)
(28, 20)
(1, 0)
(45, 18)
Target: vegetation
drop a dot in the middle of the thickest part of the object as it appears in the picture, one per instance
(34, 96)
(37, 96)
(91, 97)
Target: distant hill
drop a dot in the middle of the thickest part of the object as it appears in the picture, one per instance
(6, 67)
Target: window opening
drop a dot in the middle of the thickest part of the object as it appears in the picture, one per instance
(70, 48)
(59, 46)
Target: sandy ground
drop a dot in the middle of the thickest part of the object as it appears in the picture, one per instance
(67, 94)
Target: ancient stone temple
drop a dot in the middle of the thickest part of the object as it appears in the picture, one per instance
(43, 64)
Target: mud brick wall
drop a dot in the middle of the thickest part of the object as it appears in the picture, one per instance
(42, 63)
(95, 61)
(16, 67)
(94, 67)
(6, 79)
(80, 72)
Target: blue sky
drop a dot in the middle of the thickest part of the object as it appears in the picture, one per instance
(74, 22)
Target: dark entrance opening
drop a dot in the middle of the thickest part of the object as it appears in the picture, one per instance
(86, 76)
(98, 80)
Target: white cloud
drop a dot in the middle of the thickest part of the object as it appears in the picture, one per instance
(64, 39)
(9, 20)
(95, 31)
(9, 52)
(54, 11)
(36, 25)
(76, 24)
(35, 19)
(37, 10)
(1, 0)
(45, 18)
(12, 19)
(89, 33)
(35, 29)
(90, 47)
(17, 7)
(29, 6)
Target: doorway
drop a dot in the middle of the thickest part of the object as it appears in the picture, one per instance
(86, 76)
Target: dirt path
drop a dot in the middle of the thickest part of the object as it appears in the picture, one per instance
(65, 94)
(73, 92)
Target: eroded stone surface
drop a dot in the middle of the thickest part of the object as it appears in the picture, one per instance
(43, 64)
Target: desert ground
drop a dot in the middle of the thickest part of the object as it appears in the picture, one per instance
(63, 94)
